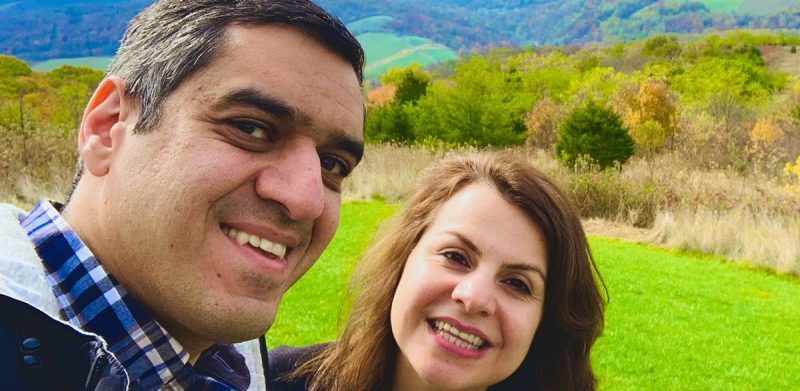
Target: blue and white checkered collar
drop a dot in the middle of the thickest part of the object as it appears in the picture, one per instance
(92, 300)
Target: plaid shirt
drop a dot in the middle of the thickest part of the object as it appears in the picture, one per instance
(92, 300)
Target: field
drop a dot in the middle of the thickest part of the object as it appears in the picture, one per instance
(386, 50)
(760, 7)
(720, 5)
(755, 7)
(674, 321)
(383, 51)
(100, 63)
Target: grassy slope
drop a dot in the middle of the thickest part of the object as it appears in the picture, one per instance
(386, 50)
(721, 5)
(679, 321)
(764, 7)
(675, 321)
(383, 50)
(100, 63)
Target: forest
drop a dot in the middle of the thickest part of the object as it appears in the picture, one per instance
(39, 30)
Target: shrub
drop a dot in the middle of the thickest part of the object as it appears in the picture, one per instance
(594, 131)
(793, 170)
(388, 123)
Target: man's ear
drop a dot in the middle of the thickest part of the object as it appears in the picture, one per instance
(105, 122)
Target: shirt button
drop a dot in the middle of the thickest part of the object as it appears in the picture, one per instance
(31, 345)
(30, 360)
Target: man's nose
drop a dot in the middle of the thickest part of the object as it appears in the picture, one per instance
(476, 294)
(294, 180)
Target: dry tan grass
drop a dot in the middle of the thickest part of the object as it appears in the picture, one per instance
(744, 235)
(716, 211)
(749, 219)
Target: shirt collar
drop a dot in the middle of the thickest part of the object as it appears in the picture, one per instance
(91, 299)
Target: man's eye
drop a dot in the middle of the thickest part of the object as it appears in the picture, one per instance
(456, 257)
(518, 285)
(253, 129)
(335, 166)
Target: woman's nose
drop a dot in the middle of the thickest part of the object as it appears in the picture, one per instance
(476, 293)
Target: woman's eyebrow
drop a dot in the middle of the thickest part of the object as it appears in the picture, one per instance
(526, 267)
(466, 241)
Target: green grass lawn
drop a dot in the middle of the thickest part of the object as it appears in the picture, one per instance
(675, 320)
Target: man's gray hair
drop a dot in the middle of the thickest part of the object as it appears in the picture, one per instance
(172, 39)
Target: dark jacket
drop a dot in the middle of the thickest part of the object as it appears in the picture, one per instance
(285, 359)
(38, 352)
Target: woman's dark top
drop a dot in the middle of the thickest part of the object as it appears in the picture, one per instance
(285, 359)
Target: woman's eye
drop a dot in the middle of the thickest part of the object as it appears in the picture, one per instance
(335, 166)
(456, 257)
(518, 285)
(253, 129)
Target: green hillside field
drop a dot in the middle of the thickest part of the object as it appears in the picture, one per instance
(383, 51)
(674, 321)
(387, 50)
(100, 63)
(372, 24)
(755, 7)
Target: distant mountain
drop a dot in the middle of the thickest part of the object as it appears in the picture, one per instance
(37, 30)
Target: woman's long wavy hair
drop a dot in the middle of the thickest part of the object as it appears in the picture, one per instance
(572, 319)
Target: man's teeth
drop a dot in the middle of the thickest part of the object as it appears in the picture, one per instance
(243, 238)
(457, 337)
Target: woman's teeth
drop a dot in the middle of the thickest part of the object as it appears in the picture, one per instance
(456, 337)
(243, 238)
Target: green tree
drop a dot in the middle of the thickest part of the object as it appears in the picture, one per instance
(662, 46)
(411, 82)
(594, 131)
(481, 105)
(12, 67)
(389, 122)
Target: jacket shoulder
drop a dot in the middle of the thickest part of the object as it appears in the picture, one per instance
(38, 352)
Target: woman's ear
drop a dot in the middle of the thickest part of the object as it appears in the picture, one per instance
(105, 123)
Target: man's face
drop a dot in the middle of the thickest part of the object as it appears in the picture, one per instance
(245, 164)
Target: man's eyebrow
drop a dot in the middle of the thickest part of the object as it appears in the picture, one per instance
(340, 140)
(263, 102)
(271, 105)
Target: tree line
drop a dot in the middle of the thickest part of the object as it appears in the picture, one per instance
(713, 99)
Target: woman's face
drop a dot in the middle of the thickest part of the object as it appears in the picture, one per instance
(471, 295)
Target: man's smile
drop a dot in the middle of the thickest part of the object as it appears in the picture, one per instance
(245, 238)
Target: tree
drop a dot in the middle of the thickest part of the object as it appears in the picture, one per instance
(388, 118)
(541, 123)
(662, 46)
(11, 67)
(594, 131)
(410, 82)
(650, 114)
(481, 105)
(388, 122)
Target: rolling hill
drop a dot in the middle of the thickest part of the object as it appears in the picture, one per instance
(411, 30)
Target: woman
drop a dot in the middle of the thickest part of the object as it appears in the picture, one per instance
(486, 281)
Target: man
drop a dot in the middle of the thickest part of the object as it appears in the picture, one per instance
(211, 159)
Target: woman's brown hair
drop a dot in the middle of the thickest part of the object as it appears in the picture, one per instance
(364, 357)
